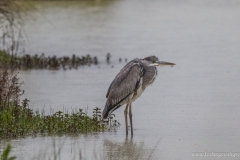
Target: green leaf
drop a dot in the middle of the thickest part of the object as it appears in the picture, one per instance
(6, 153)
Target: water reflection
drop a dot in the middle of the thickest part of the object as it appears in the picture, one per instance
(128, 149)
(90, 146)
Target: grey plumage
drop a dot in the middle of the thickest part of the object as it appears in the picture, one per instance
(130, 83)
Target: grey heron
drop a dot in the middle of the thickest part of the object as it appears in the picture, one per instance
(129, 84)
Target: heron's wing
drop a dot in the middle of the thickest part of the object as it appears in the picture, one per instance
(123, 73)
(124, 84)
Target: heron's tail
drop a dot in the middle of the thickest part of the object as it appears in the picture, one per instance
(109, 108)
(105, 112)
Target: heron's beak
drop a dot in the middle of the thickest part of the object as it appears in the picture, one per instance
(162, 63)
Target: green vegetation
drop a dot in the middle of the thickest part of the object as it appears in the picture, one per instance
(20, 121)
(5, 153)
(4, 56)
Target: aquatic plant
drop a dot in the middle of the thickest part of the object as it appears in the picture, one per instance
(27, 61)
(42, 62)
(19, 120)
(108, 56)
(5, 154)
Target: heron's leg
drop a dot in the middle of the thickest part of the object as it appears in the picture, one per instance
(126, 122)
(130, 117)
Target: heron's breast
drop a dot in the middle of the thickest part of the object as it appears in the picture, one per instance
(137, 95)
(138, 92)
(154, 76)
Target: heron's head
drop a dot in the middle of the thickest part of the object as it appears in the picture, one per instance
(153, 61)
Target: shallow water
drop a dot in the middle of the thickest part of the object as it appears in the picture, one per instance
(191, 107)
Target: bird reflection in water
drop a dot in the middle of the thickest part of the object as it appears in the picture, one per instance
(128, 149)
